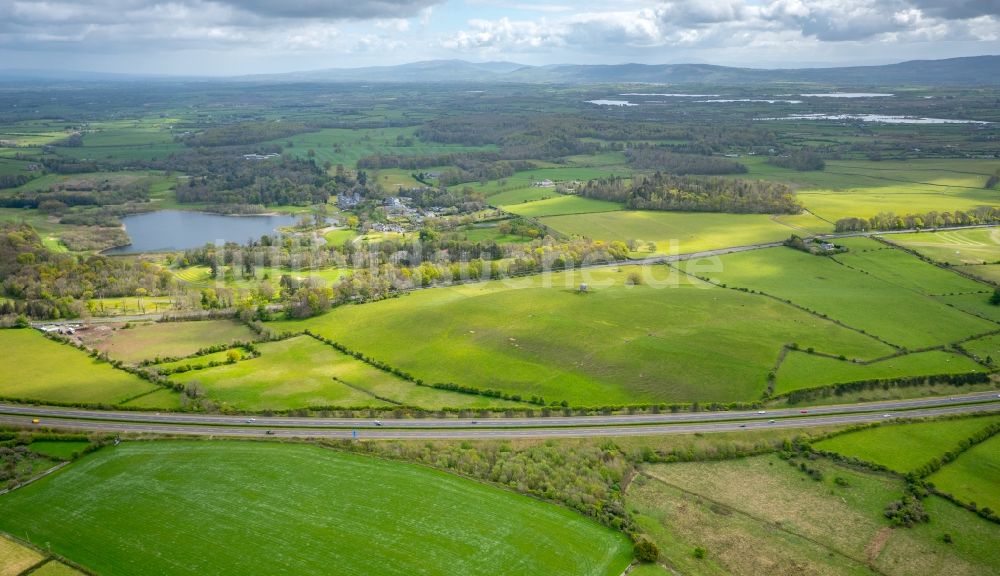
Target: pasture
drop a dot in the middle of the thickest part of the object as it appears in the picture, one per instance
(760, 515)
(956, 247)
(562, 205)
(616, 344)
(974, 476)
(166, 339)
(673, 232)
(906, 446)
(58, 449)
(889, 302)
(859, 188)
(48, 371)
(253, 507)
(302, 372)
(802, 370)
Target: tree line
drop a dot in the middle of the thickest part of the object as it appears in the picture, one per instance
(933, 219)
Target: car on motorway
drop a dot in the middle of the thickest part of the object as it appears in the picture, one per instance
(378, 422)
(35, 420)
(887, 415)
(803, 411)
(743, 425)
(269, 432)
(771, 421)
(762, 411)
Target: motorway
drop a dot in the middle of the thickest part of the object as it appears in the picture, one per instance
(555, 426)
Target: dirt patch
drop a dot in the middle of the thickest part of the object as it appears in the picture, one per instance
(877, 543)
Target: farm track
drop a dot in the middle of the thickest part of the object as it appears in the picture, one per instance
(579, 426)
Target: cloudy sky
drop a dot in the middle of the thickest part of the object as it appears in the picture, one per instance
(224, 37)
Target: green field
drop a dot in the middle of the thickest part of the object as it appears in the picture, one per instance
(48, 371)
(761, 516)
(853, 188)
(168, 339)
(974, 476)
(886, 302)
(801, 370)
(673, 232)
(58, 449)
(302, 372)
(901, 269)
(562, 205)
(616, 344)
(266, 508)
(985, 347)
(974, 246)
(907, 446)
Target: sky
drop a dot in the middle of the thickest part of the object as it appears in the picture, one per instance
(235, 37)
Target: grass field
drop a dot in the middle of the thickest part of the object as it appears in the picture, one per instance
(162, 399)
(974, 246)
(974, 476)
(801, 370)
(48, 371)
(15, 558)
(255, 508)
(58, 449)
(673, 232)
(907, 446)
(985, 347)
(761, 516)
(863, 188)
(162, 340)
(885, 302)
(562, 205)
(901, 269)
(302, 372)
(53, 568)
(616, 344)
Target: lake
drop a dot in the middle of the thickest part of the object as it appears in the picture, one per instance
(166, 230)
(877, 118)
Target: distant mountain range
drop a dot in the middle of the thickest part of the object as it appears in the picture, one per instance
(967, 71)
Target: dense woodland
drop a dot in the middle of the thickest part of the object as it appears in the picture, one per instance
(660, 159)
(662, 191)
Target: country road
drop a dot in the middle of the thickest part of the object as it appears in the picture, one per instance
(578, 426)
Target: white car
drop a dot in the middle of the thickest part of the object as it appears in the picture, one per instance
(762, 411)
(887, 415)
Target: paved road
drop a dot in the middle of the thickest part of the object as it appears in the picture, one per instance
(467, 428)
(482, 433)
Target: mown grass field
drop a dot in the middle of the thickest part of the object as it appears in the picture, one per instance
(888, 302)
(47, 371)
(269, 508)
(802, 370)
(169, 339)
(974, 476)
(985, 347)
(761, 516)
(673, 232)
(906, 446)
(15, 558)
(956, 247)
(302, 372)
(670, 339)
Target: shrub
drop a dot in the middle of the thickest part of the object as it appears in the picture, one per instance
(646, 550)
(699, 552)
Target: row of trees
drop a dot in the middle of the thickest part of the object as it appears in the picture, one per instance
(933, 219)
(662, 191)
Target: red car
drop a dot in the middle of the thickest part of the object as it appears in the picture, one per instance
(803, 411)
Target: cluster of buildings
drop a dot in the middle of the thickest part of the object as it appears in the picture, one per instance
(258, 157)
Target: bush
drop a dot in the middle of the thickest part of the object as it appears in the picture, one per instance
(646, 550)
(699, 552)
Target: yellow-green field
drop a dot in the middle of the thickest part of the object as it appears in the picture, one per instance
(166, 339)
(47, 371)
